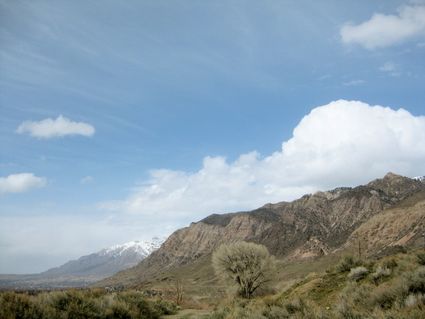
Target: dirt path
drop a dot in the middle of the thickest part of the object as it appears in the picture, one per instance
(189, 314)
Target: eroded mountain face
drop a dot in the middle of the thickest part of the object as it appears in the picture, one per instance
(311, 226)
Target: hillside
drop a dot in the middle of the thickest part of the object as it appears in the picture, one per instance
(320, 224)
(386, 287)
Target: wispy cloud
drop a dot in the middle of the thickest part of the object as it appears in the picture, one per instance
(382, 30)
(390, 68)
(354, 83)
(59, 127)
(87, 180)
(19, 183)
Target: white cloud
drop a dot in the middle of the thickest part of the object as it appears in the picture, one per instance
(386, 30)
(390, 68)
(342, 143)
(354, 83)
(61, 126)
(19, 183)
(87, 180)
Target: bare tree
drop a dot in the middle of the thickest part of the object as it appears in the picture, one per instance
(248, 266)
(179, 292)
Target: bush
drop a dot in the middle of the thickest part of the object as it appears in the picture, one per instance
(385, 296)
(380, 273)
(346, 263)
(13, 305)
(416, 282)
(358, 273)
(165, 307)
(413, 300)
(247, 266)
(87, 304)
(353, 296)
(118, 310)
(421, 258)
(390, 263)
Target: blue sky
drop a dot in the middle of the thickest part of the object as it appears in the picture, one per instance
(178, 95)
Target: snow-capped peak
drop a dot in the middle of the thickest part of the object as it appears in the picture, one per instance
(420, 178)
(142, 248)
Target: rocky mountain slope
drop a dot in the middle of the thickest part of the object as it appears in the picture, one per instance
(87, 269)
(314, 225)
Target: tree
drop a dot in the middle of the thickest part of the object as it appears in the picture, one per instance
(178, 292)
(247, 266)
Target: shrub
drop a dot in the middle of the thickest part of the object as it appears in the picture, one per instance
(390, 263)
(275, 312)
(165, 307)
(247, 266)
(413, 300)
(118, 310)
(416, 282)
(13, 305)
(353, 296)
(384, 297)
(358, 273)
(421, 258)
(87, 304)
(380, 273)
(346, 263)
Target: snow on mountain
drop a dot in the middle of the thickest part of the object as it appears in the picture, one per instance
(142, 248)
(105, 262)
(420, 178)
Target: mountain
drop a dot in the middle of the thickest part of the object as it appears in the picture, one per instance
(107, 261)
(420, 178)
(87, 269)
(384, 213)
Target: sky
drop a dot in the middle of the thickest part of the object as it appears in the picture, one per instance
(124, 120)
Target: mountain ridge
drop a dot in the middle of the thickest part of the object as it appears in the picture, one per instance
(314, 225)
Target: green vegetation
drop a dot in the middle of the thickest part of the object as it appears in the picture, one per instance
(390, 287)
(79, 304)
(247, 266)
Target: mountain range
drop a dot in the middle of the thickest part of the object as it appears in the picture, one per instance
(86, 269)
(384, 215)
(375, 219)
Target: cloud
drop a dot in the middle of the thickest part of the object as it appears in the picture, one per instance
(59, 127)
(354, 83)
(382, 30)
(342, 143)
(19, 183)
(390, 68)
(87, 180)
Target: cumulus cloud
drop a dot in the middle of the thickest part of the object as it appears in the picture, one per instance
(59, 127)
(19, 183)
(386, 30)
(341, 143)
